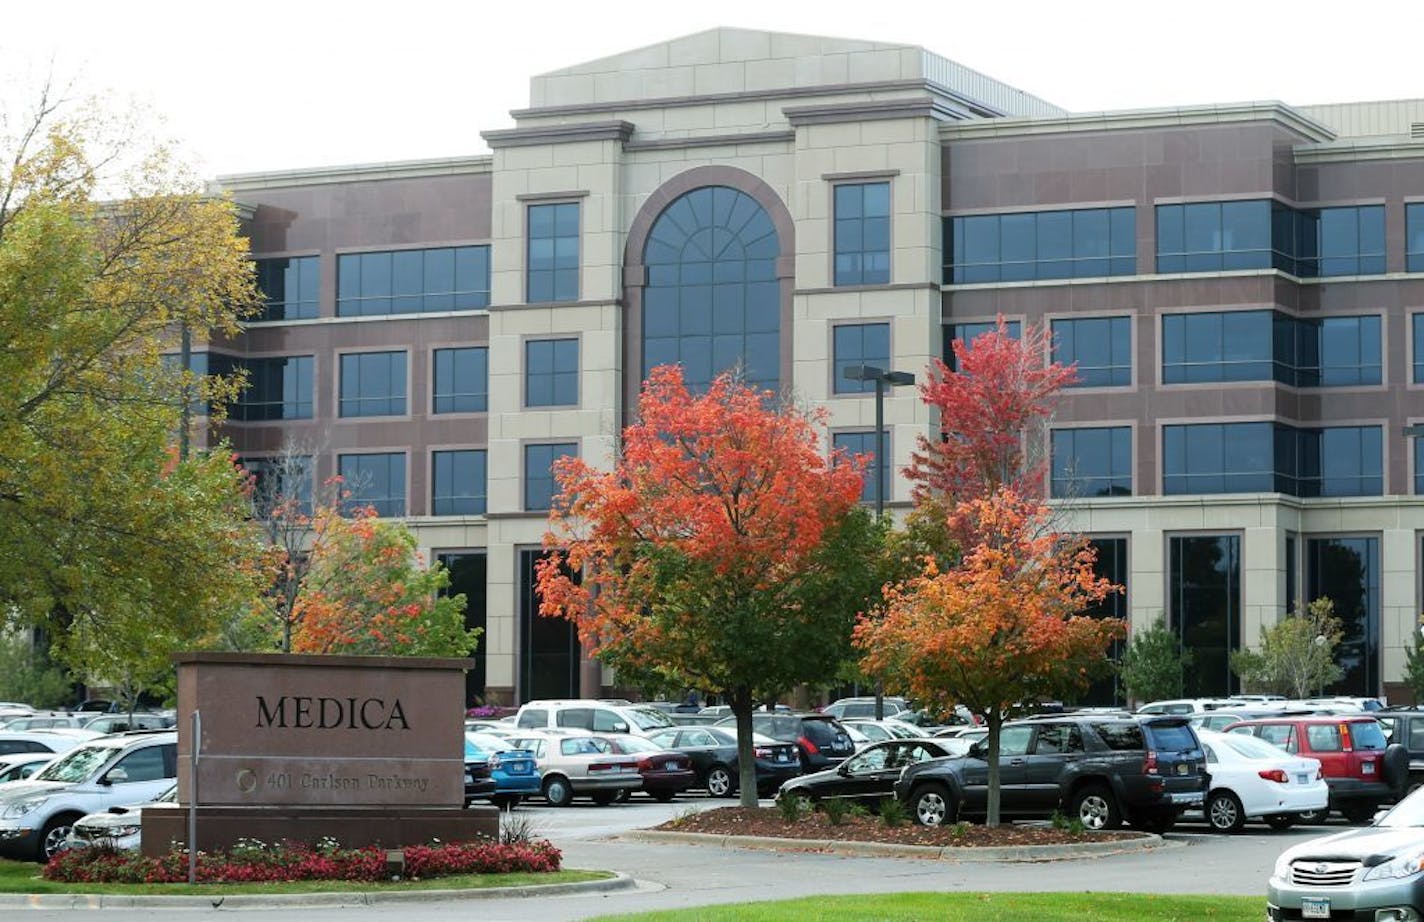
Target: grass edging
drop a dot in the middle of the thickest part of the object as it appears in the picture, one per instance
(1011, 853)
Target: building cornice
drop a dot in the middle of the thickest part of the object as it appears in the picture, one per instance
(360, 172)
(614, 130)
(1140, 119)
(1357, 149)
(707, 99)
(837, 113)
(713, 140)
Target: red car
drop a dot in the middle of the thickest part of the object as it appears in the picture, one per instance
(1362, 769)
(665, 772)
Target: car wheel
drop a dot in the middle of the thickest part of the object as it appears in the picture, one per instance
(933, 805)
(1313, 817)
(1223, 812)
(1394, 768)
(557, 791)
(53, 836)
(719, 781)
(1359, 811)
(1096, 808)
(1280, 820)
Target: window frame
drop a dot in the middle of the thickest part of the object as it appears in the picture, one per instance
(530, 205)
(526, 376)
(402, 452)
(316, 311)
(885, 464)
(1110, 317)
(345, 253)
(432, 454)
(432, 363)
(838, 381)
(862, 183)
(524, 479)
(1128, 426)
(340, 359)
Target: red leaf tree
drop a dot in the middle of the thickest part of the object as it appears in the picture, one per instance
(720, 553)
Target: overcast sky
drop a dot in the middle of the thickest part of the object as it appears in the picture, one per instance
(259, 85)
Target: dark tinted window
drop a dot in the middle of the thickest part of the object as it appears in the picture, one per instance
(412, 281)
(461, 382)
(1414, 239)
(376, 480)
(278, 387)
(1056, 738)
(863, 443)
(1122, 737)
(289, 286)
(1347, 241)
(859, 344)
(373, 384)
(968, 332)
(1092, 462)
(539, 484)
(1215, 236)
(551, 369)
(459, 482)
(1171, 738)
(819, 731)
(1101, 347)
(862, 233)
(1078, 243)
(552, 269)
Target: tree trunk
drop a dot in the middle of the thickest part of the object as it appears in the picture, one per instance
(995, 720)
(742, 701)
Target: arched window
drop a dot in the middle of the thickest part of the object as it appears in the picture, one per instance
(712, 301)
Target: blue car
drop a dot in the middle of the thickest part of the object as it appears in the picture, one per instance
(494, 769)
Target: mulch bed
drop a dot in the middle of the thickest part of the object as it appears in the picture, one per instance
(766, 821)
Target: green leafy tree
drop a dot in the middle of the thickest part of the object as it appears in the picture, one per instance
(1155, 665)
(1297, 655)
(27, 674)
(110, 537)
(1414, 663)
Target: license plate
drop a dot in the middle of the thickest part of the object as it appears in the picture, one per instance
(782, 757)
(1302, 779)
(1315, 907)
(1187, 798)
(1368, 768)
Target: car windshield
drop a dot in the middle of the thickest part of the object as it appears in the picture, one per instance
(646, 719)
(1251, 747)
(77, 766)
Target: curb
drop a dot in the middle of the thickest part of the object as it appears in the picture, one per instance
(332, 900)
(1008, 854)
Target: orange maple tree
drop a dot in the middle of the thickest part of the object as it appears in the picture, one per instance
(1002, 627)
(720, 551)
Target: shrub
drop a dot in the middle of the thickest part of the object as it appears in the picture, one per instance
(959, 830)
(517, 828)
(792, 807)
(838, 810)
(893, 813)
(251, 861)
(1064, 824)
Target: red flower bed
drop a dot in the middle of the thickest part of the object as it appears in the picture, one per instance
(256, 862)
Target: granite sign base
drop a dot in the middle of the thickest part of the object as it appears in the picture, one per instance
(354, 827)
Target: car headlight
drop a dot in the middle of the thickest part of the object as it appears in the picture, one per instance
(1283, 867)
(120, 832)
(1406, 865)
(19, 808)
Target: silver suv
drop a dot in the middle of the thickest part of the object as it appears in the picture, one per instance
(36, 815)
(1375, 873)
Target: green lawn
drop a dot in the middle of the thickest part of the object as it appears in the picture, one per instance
(24, 877)
(977, 907)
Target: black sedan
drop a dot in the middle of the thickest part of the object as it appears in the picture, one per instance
(869, 776)
(714, 757)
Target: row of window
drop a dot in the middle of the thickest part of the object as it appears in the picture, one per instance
(1211, 347)
(458, 479)
(1209, 458)
(1192, 237)
(375, 383)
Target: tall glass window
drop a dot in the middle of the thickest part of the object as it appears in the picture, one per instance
(859, 344)
(1416, 323)
(552, 268)
(1076, 243)
(1351, 461)
(1349, 351)
(376, 480)
(968, 332)
(540, 488)
(1102, 347)
(412, 281)
(1092, 462)
(549, 651)
(1350, 241)
(551, 372)
(713, 300)
(279, 387)
(461, 383)
(863, 443)
(1414, 237)
(1215, 236)
(862, 233)
(1347, 571)
(1110, 564)
(458, 482)
(1205, 608)
(373, 384)
(290, 287)
(469, 572)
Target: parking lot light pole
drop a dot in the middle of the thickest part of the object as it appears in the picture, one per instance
(882, 379)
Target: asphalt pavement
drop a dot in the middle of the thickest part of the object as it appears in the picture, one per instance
(676, 876)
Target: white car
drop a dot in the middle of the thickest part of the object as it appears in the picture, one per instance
(15, 742)
(117, 827)
(1251, 779)
(591, 716)
(878, 731)
(21, 765)
(580, 766)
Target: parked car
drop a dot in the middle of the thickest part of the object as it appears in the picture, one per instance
(1251, 779)
(579, 766)
(865, 707)
(593, 716)
(120, 723)
(505, 773)
(1219, 720)
(713, 751)
(1362, 768)
(21, 765)
(45, 722)
(971, 734)
(1101, 770)
(1372, 873)
(721, 711)
(877, 731)
(869, 776)
(1185, 705)
(1405, 726)
(18, 741)
(666, 772)
(820, 739)
(36, 815)
(117, 827)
